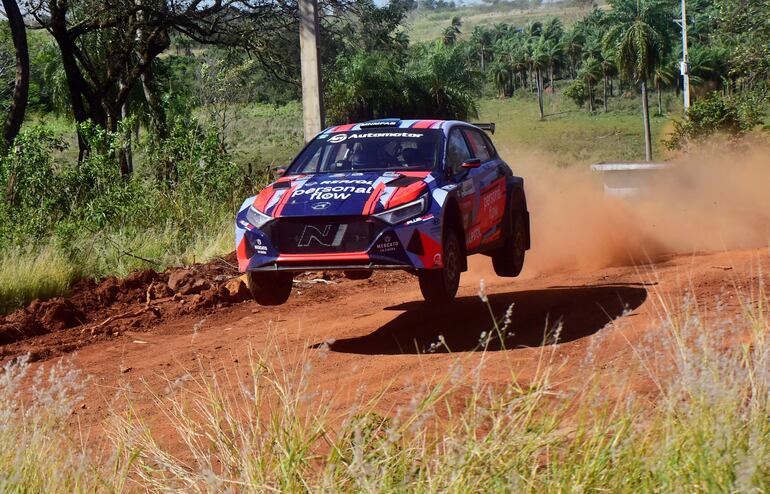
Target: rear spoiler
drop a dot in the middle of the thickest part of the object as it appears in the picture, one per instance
(489, 127)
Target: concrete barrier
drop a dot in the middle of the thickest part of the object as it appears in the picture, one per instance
(628, 179)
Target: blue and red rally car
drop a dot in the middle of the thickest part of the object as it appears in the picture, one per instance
(417, 195)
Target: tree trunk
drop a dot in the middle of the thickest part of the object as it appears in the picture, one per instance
(539, 75)
(660, 100)
(128, 152)
(646, 118)
(590, 96)
(606, 108)
(612, 88)
(550, 78)
(18, 107)
(481, 58)
(156, 105)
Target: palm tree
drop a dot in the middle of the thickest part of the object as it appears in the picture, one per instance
(481, 37)
(637, 45)
(609, 68)
(665, 74)
(553, 51)
(501, 76)
(538, 61)
(590, 72)
(553, 29)
(573, 47)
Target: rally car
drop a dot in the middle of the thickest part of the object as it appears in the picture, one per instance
(416, 195)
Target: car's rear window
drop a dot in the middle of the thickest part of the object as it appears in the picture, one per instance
(370, 150)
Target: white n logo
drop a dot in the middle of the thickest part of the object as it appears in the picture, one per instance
(326, 237)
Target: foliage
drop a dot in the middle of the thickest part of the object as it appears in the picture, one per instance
(716, 114)
(433, 82)
(577, 92)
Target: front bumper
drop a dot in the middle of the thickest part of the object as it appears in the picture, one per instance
(321, 243)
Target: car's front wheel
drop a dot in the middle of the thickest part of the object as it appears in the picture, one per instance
(440, 285)
(270, 288)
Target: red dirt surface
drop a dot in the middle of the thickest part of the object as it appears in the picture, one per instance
(361, 337)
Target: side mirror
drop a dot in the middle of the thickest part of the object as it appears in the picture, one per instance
(279, 171)
(471, 163)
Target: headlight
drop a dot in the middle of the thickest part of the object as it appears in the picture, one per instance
(406, 212)
(257, 218)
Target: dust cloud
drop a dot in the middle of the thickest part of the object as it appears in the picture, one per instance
(701, 203)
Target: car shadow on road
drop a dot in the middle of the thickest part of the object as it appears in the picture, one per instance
(560, 314)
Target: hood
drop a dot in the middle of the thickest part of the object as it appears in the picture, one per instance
(340, 194)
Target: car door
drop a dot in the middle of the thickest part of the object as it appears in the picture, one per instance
(457, 153)
(489, 181)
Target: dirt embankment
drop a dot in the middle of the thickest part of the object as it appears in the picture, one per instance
(99, 311)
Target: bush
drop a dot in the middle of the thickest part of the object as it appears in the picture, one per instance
(577, 92)
(59, 222)
(716, 114)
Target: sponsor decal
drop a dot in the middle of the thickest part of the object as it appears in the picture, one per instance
(338, 190)
(388, 244)
(437, 259)
(492, 204)
(245, 224)
(327, 235)
(373, 135)
(320, 206)
(259, 247)
(420, 219)
(337, 138)
(387, 123)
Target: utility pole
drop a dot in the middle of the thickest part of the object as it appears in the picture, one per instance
(312, 97)
(684, 64)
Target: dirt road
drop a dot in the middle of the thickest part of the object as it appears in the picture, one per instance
(360, 337)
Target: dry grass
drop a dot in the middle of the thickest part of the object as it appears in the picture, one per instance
(708, 430)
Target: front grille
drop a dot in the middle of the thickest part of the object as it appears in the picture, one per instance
(324, 235)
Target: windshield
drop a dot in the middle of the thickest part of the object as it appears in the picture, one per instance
(369, 150)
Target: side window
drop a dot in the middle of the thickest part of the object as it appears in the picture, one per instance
(479, 146)
(457, 151)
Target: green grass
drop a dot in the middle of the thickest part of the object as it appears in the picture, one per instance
(45, 272)
(704, 429)
(25, 276)
(426, 25)
(569, 135)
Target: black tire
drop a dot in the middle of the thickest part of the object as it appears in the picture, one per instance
(359, 274)
(440, 285)
(508, 260)
(270, 288)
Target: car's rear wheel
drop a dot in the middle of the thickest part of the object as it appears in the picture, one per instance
(508, 260)
(358, 274)
(270, 288)
(440, 285)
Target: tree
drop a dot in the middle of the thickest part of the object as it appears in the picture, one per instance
(553, 52)
(18, 106)
(590, 73)
(107, 47)
(637, 45)
(502, 76)
(481, 37)
(664, 76)
(609, 68)
(538, 60)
